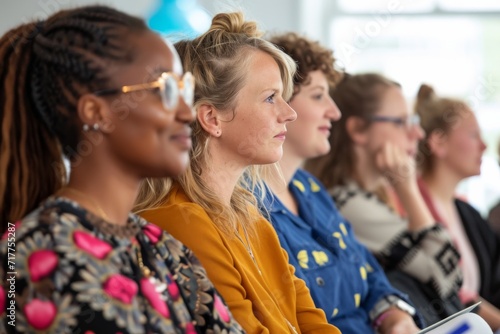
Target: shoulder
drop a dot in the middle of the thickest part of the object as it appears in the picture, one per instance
(464, 206)
(473, 221)
(308, 181)
(345, 194)
(351, 195)
(51, 219)
(183, 220)
(470, 215)
(178, 209)
(305, 186)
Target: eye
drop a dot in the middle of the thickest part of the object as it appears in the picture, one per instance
(270, 98)
(400, 122)
(317, 97)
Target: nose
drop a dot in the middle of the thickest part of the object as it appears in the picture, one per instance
(483, 145)
(417, 132)
(333, 112)
(287, 114)
(184, 113)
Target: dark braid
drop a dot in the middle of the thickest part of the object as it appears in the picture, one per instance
(44, 69)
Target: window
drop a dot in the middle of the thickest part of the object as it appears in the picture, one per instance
(451, 45)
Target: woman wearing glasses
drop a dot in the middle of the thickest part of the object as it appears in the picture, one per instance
(370, 165)
(98, 86)
(451, 152)
(242, 86)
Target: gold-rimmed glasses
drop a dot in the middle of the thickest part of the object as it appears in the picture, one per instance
(169, 85)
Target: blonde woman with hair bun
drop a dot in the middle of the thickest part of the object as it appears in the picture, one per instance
(243, 84)
(450, 152)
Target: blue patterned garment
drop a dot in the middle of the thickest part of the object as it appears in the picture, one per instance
(345, 279)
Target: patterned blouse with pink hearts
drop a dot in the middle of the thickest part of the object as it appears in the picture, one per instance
(65, 270)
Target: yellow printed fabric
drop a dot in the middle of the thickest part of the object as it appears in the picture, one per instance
(344, 278)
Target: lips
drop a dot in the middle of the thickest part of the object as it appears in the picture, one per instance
(183, 133)
(325, 129)
(183, 138)
(281, 135)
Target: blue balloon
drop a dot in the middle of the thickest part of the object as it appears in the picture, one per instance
(172, 17)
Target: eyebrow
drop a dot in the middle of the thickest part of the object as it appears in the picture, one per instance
(316, 87)
(270, 89)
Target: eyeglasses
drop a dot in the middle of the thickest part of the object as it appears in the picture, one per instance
(170, 88)
(407, 122)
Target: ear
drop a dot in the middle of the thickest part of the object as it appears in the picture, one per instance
(437, 141)
(356, 129)
(207, 117)
(94, 110)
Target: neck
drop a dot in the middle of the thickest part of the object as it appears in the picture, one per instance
(365, 172)
(441, 183)
(111, 198)
(221, 175)
(289, 164)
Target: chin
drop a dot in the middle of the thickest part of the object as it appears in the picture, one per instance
(169, 168)
(322, 151)
(267, 159)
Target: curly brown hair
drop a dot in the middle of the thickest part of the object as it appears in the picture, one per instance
(310, 56)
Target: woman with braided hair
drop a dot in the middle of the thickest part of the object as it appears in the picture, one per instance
(242, 85)
(98, 86)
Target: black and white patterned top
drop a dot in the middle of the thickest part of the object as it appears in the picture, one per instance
(427, 255)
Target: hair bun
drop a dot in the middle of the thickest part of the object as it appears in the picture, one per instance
(425, 93)
(235, 23)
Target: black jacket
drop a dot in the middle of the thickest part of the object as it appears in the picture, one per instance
(486, 245)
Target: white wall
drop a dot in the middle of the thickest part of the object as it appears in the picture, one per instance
(274, 15)
(15, 12)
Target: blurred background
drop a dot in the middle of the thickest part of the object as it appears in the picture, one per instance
(454, 45)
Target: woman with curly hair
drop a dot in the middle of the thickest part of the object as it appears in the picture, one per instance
(344, 278)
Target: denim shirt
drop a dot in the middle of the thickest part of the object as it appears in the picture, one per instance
(344, 278)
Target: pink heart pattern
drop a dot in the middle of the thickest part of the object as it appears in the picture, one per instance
(40, 314)
(42, 263)
(91, 244)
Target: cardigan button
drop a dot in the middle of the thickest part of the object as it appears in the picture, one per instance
(320, 281)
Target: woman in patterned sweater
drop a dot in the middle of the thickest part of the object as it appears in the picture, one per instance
(370, 165)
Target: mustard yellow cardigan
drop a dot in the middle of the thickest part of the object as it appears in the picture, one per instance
(261, 303)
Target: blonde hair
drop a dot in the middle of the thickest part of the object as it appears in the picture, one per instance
(437, 114)
(219, 62)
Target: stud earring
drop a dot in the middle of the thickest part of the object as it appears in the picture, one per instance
(95, 127)
(86, 127)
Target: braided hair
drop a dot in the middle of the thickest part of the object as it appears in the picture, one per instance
(45, 67)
